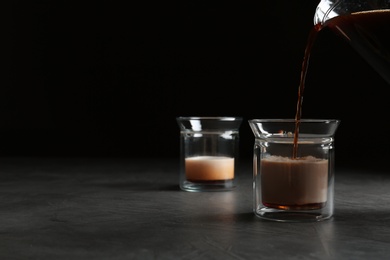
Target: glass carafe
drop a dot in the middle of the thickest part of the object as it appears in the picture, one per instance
(365, 24)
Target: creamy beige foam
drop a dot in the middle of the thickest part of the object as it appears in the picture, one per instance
(209, 168)
(293, 182)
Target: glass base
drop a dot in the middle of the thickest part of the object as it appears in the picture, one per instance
(291, 215)
(199, 186)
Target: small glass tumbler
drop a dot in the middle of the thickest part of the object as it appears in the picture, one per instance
(208, 152)
(293, 169)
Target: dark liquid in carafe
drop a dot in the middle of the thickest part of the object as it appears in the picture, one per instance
(368, 34)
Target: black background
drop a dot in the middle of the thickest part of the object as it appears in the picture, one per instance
(108, 79)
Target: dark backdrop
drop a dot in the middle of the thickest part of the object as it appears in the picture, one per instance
(109, 79)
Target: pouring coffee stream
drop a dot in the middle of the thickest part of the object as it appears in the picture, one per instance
(365, 24)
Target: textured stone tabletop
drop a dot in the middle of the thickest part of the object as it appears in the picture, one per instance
(68, 208)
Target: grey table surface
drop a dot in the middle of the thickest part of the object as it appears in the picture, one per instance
(79, 208)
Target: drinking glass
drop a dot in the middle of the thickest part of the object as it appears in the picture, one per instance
(290, 188)
(208, 152)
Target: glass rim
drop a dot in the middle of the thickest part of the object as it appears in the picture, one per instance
(291, 120)
(221, 118)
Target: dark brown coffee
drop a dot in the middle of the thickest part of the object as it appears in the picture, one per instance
(294, 184)
(368, 34)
